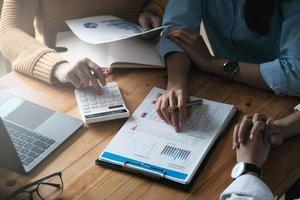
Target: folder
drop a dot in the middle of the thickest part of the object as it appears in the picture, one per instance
(149, 146)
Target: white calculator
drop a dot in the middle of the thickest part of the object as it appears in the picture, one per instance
(101, 107)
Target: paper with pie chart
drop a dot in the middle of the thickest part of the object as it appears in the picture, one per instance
(106, 29)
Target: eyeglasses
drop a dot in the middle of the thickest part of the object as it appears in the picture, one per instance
(49, 187)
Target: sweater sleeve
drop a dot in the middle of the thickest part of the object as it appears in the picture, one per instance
(26, 54)
(156, 6)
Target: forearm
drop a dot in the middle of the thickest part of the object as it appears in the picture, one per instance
(26, 54)
(248, 73)
(178, 65)
(289, 126)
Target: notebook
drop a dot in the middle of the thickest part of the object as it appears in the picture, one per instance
(110, 42)
(147, 145)
(135, 52)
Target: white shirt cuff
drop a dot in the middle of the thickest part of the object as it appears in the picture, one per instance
(247, 187)
(297, 108)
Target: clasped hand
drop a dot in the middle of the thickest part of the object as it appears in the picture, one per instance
(253, 137)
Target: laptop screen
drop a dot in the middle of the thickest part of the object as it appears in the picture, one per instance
(24, 113)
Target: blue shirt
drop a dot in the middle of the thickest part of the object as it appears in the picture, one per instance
(277, 53)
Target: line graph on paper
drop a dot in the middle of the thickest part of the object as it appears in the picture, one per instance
(141, 147)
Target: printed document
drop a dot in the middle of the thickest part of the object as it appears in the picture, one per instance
(105, 29)
(148, 143)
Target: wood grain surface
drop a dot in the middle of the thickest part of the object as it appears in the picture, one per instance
(76, 157)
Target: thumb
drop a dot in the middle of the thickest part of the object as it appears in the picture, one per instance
(274, 136)
(276, 140)
(270, 121)
(144, 22)
(271, 127)
(156, 21)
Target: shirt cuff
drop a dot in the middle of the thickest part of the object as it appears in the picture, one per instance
(274, 77)
(248, 186)
(166, 46)
(297, 108)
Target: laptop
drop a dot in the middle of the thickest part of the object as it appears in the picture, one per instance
(29, 133)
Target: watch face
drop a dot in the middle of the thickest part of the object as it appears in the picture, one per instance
(238, 170)
(230, 68)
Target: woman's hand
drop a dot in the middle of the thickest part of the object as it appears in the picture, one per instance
(149, 20)
(274, 134)
(176, 96)
(82, 74)
(255, 150)
(255, 125)
(194, 46)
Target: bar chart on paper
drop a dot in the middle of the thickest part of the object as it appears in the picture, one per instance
(175, 153)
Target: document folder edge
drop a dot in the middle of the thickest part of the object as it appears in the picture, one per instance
(175, 176)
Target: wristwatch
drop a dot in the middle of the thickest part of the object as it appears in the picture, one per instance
(242, 168)
(230, 68)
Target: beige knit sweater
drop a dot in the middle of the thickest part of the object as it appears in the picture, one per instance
(28, 28)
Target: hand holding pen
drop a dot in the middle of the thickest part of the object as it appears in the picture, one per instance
(172, 114)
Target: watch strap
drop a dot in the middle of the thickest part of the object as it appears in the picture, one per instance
(249, 167)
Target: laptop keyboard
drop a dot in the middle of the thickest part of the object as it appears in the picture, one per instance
(28, 144)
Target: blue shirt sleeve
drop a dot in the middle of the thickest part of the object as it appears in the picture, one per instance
(283, 74)
(184, 14)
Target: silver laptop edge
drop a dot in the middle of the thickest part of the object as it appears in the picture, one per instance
(56, 126)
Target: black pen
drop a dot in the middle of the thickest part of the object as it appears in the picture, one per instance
(195, 102)
(188, 104)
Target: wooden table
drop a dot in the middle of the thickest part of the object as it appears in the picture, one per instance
(85, 180)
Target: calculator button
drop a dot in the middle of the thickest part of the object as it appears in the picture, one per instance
(94, 105)
(84, 103)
